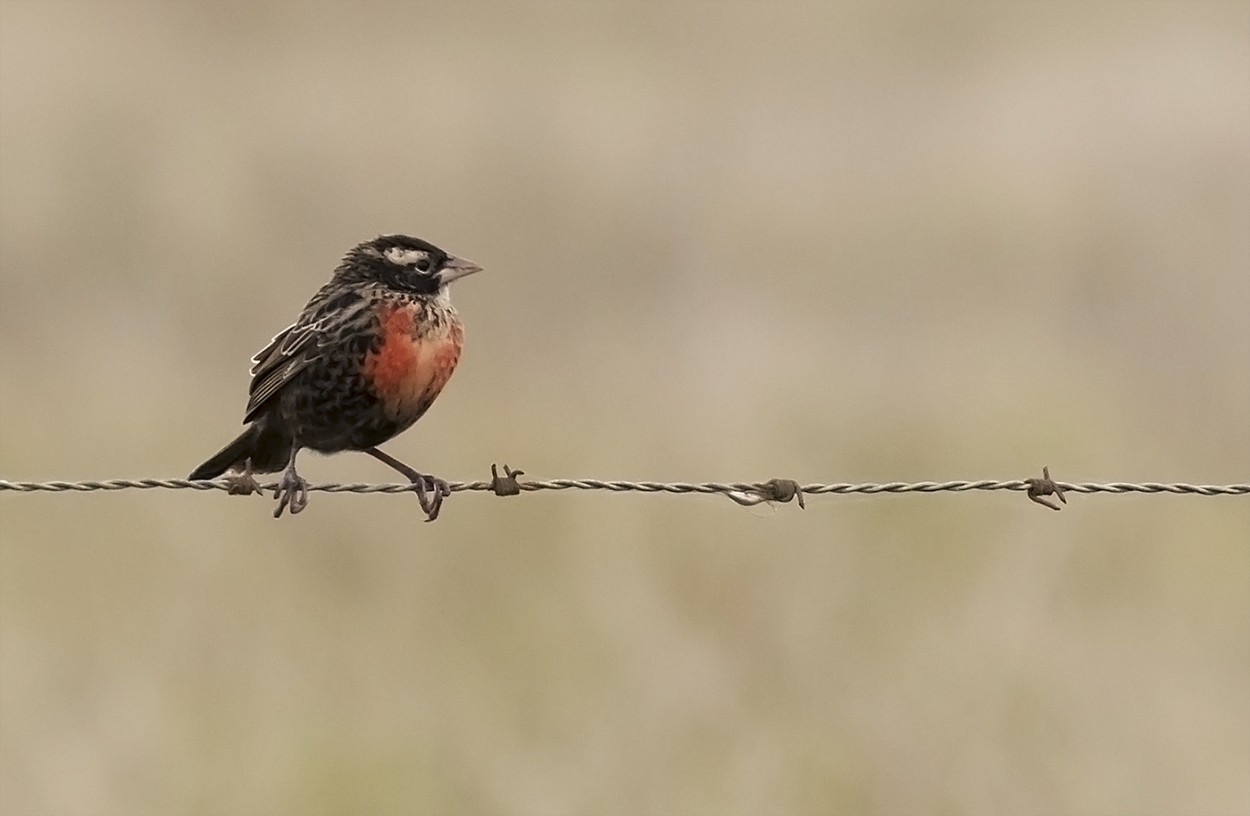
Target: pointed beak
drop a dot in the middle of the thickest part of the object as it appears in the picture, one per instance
(456, 268)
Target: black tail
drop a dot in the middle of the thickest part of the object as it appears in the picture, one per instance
(269, 451)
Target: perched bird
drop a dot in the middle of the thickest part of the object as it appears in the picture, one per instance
(362, 363)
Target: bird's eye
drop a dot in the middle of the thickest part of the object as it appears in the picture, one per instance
(423, 265)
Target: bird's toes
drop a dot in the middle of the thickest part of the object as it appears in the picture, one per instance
(292, 493)
(440, 486)
(431, 491)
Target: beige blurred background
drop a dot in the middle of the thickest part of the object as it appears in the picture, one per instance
(832, 242)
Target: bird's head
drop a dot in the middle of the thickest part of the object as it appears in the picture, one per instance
(406, 264)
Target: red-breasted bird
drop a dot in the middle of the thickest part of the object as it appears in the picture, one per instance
(362, 363)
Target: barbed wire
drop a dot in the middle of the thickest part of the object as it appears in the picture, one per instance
(744, 493)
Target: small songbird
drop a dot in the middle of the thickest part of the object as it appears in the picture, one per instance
(362, 363)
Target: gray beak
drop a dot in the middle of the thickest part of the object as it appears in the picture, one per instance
(456, 268)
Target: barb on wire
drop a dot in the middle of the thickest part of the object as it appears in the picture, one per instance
(744, 493)
(507, 485)
(1045, 486)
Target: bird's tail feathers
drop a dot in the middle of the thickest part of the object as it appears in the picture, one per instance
(267, 449)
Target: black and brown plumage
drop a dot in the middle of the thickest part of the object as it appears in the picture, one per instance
(365, 359)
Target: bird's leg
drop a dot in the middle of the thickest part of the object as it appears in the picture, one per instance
(242, 484)
(431, 490)
(292, 489)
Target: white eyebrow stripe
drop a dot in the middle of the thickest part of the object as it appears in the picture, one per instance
(405, 257)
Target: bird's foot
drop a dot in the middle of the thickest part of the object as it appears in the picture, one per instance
(292, 491)
(431, 491)
(244, 483)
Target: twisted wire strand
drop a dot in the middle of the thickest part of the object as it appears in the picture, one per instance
(759, 491)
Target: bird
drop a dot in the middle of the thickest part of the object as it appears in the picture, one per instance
(364, 360)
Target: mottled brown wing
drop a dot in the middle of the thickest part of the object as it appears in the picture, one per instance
(278, 363)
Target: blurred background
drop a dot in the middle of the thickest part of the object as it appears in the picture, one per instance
(830, 242)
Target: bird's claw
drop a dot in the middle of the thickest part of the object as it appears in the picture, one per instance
(292, 492)
(431, 491)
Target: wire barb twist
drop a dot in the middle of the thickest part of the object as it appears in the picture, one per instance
(1039, 489)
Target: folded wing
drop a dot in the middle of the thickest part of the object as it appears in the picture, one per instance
(289, 353)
